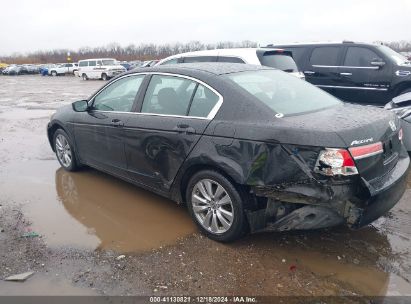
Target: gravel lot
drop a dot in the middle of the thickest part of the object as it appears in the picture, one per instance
(85, 220)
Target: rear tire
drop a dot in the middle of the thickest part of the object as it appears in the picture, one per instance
(65, 152)
(216, 206)
(84, 76)
(104, 76)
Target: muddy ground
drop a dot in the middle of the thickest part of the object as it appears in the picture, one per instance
(85, 220)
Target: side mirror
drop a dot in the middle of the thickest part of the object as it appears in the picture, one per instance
(378, 62)
(80, 106)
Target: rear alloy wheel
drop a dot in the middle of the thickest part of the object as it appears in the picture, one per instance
(216, 206)
(64, 151)
(104, 76)
(53, 73)
(84, 76)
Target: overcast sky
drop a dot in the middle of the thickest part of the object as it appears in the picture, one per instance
(28, 25)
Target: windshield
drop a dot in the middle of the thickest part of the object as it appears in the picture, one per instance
(398, 58)
(283, 93)
(282, 62)
(109, 62)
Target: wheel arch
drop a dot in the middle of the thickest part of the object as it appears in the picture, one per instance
(52, 129)
(181, 182)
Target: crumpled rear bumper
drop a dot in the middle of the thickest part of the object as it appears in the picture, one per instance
(387, 195)
(314, 206)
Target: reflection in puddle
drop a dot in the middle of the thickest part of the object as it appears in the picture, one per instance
(124, 217)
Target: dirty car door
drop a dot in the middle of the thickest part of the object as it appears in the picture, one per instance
(174, 114)
(99, 131)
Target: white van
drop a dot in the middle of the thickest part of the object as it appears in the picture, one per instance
(99, 68)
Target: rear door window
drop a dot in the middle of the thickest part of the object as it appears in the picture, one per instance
(203, 102)
(230, 59)
(92, 63)
(168, 95)
(83, 63)
(359, 57)
(200, 59)
(325, 55)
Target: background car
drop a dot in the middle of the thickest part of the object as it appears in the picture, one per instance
(275, 58)
(355, 72)
(31, 69)
(247, 147)
(401, 106)
(3, 66)
(14, 70)
(63, 69)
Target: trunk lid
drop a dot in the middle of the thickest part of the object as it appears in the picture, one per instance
(357, 126)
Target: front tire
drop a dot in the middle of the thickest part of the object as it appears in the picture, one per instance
(104, 76)
(53, 73)
(65, 151)
(216, 206)
(84, 76)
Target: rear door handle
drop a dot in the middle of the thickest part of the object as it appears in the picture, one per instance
(309, 72)
(183, 128)
(117, 123)
(346, 74)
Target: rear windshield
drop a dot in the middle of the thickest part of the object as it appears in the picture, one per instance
(283, 93)
(279, 61)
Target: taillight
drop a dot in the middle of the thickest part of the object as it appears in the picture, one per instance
(332, 162)
(400, 134)
(366, 151)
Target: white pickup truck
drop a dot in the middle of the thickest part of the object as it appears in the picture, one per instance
(62, 69)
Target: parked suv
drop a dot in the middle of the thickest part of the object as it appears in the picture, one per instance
(354, 72)
(100, 68)
(65, 68)
(275, 58)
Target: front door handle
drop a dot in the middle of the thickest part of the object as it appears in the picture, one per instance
(184, 128)
(346, 74)
(309, 72)
(117, 123)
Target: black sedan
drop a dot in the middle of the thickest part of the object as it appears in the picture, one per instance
(248, 148)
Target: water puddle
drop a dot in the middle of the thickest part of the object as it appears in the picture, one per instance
(122, 216)
(91, 210)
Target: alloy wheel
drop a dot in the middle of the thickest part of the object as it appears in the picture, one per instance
(212, 206)
(63, 150)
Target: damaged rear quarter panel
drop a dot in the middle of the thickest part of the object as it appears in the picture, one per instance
(253, 163)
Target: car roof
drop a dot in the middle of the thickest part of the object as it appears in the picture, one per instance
(319, 43)
(249, 54)
(216, 68)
